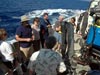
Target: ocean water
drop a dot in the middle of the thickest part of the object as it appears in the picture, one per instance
(11, 10)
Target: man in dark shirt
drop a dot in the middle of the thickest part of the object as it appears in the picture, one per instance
(24, 35)
(44, 28)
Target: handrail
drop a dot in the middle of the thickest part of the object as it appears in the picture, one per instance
(13, 69)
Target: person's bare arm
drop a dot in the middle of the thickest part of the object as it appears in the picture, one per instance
(48, 26)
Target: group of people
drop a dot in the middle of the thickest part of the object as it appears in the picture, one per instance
(44, 59)
(48, 45)
(52, 46)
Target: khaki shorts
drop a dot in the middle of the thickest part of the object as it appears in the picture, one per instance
(25, 51)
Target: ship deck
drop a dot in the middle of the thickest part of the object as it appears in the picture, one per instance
(78, 42)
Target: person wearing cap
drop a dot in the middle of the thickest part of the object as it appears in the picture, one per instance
(24, 36)
(45, 25)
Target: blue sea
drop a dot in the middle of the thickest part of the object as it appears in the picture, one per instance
(11, 10)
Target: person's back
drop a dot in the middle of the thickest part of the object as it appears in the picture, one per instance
(46, 61)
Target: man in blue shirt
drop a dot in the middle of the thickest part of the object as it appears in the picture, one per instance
(44, 26)
(24, 36)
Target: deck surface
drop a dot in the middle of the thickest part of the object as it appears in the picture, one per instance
(77, 45)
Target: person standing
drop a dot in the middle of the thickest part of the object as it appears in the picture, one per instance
(35, 32)
(70, 32)
(72, 20)
(71, 50)
(60, 20)
(24, 36)
(44, 28)
(7, 54)
(58, 23)
(57, 34)
(68, 45)
(46, 61)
